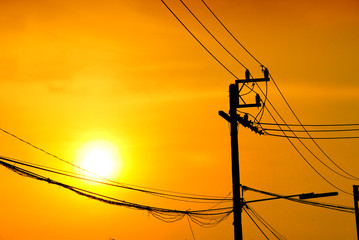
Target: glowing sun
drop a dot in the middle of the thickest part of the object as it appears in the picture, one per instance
(101, 158)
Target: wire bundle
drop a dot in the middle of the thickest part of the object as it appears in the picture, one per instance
(206, 218)
(335, 207)
(294, 133)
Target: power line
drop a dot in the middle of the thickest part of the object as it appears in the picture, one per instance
(262, 109)
(205, 217)
(311, 152)
(330, 206)
(210, 53)
(82, 177)
(199, 21)
(255, 223)
(266, 98)
(100, 177)
(232, 34)
(312, 130)
(313, 125)
(189, 223)
(265, 223)
(305, 159)
(313, 138)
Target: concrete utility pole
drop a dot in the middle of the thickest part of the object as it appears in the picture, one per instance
(237, 199)
(233, 118)
(356, 199)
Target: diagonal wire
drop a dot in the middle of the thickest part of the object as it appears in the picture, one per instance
(189, 223)
(310, 137)
(189, 31)
(232, 34)
(305, 159)
(245, 210)
(82, 177)
(200, 22)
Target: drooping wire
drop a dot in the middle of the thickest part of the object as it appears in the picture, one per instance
(98, 176)
(85, 178)
(313, 140)
(311, 152)
(315, 170)
(303, 157)
(205, 217)
(310, 137)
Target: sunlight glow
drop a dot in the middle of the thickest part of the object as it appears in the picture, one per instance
(99, 157)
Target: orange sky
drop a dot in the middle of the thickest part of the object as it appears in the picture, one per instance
(129, 73)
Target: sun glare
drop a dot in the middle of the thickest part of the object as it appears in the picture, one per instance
(100, 158)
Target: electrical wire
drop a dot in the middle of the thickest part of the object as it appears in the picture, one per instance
(232, 34)
(330, 206)
(210, 53)
(82, 177)
(205, 217)
(265, 223)
(313, 125)
(350, 176)
(305, 159)
(189, 223)
(98, 176)
(262, 109)
(255, 223)
(313, 130)
(200, 22)
(313, 138)
(288, 137)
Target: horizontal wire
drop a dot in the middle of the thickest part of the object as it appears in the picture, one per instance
(323, 138)
(312, 130)
(341, 208)
(100, 177)
(312, 125)
(305, 159)
(162, 213)
(73, 175)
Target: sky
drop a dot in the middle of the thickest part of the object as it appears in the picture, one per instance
(128, 73)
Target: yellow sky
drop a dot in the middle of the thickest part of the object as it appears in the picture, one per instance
(129, 73)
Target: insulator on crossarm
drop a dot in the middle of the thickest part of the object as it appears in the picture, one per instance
(248, 74)
(266, 73)
(258, 100)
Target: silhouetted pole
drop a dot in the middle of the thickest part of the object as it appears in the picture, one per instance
(237, 200)
(234, 118)
(356, 198)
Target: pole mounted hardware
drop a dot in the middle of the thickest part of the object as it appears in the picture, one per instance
(249, 80)
(317, 195)
(234, 118)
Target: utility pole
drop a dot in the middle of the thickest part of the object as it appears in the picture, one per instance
(233, 118)
(356, 199)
